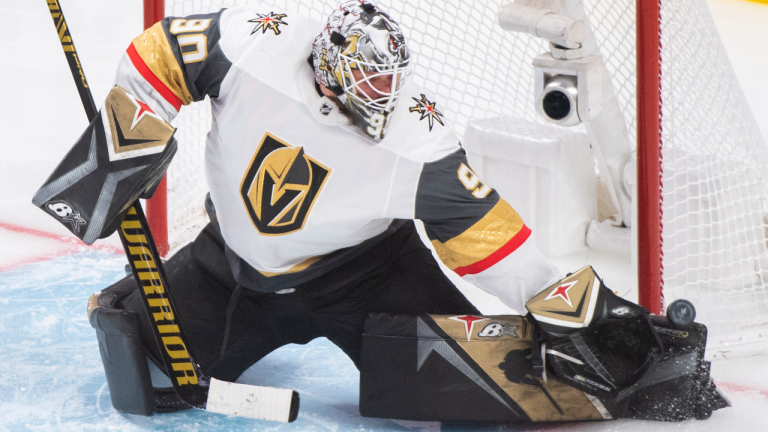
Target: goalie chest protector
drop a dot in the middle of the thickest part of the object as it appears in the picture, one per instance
(460, 368)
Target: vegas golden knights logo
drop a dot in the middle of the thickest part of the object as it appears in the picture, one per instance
(280, 186)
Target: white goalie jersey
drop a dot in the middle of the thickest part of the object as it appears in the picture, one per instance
(297, 189)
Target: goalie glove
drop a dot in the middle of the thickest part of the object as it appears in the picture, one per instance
(120, 157)
(590, 338)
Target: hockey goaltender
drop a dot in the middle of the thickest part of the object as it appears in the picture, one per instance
(321, 154)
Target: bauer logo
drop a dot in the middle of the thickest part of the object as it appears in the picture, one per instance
(280, 186)
(622, 311)
(427, 110)
(270, 21)
(497, 330)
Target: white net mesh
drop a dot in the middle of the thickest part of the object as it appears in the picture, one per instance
(714, 162)
(714, 158)
(186, 176)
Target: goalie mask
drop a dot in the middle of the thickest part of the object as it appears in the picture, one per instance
(361, 56)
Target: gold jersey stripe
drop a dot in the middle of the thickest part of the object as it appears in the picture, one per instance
(482, 239)
(297, 268)
(154, 49)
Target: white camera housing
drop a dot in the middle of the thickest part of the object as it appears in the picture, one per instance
(568, 92)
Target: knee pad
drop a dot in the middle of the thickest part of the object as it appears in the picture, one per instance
(124, 357)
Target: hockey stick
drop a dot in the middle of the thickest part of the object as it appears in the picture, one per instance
(264, 403)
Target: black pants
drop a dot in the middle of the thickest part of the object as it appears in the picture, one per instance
(398, 276)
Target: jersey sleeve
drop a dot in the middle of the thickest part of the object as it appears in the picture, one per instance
(175, 62)
(477, 234)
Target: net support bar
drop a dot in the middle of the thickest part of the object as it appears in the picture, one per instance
(649, 174)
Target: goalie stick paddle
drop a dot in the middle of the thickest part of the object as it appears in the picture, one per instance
(264, 403)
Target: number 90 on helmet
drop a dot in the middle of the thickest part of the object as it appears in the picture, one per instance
(362, 57)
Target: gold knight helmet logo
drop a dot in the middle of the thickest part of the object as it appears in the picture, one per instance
(280, 186)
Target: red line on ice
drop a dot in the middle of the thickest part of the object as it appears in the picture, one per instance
(75, 246)
(32, 260)
(738, 388)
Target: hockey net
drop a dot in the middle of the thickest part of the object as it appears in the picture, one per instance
(714, 159)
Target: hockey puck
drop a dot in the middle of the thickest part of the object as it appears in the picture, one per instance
(681, 312)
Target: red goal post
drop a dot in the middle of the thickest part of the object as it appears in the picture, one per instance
(649, 175)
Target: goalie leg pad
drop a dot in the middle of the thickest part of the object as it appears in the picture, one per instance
(461, 368)
(133, 386)
(125, 363)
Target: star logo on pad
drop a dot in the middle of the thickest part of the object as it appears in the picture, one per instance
(562, 293)
(508, 329)
(469, 321)
(270, 21)
(142, 109)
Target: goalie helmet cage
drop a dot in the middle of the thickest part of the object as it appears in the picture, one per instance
(702, 161)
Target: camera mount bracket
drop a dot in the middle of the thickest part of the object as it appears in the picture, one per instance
(588, 73)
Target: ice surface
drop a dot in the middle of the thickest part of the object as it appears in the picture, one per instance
(51, 376)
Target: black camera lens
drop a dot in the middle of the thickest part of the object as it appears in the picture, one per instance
(556, 105)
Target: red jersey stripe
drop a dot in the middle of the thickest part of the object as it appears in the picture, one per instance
(501, 253)
(152, 79)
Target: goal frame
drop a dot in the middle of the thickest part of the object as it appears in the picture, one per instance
(649, 169)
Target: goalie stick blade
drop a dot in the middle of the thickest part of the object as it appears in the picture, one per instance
(261, 403)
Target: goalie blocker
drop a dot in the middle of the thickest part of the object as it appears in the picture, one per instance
(120, 157)
(582, 353)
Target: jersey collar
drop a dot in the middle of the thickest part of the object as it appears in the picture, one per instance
(322, 108)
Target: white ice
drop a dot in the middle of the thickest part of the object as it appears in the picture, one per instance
(51, 376)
